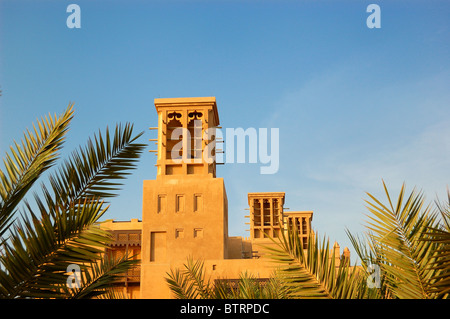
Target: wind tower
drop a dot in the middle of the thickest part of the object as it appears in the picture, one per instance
(268, 219)
(266, 214)
(185, 209)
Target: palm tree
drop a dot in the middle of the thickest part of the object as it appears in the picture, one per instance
(299, 273)
(313, 272)
(410, 244)
(441, 235)
(407, 243)
(39, 247)
(192, 283)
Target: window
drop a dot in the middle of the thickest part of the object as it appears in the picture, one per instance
(196, 134)
(179, 233)
(198, 203)
(174, 136)
(162, 202)
(157, 246)
(198, 232)
(256, 212)
(179, 203)
(266, 212)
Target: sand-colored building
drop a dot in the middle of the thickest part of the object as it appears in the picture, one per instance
(185, 209)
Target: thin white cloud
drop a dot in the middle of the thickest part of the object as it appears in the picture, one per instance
(397, 131)
(424, 161)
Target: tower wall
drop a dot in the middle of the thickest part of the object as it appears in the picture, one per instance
(185, 209)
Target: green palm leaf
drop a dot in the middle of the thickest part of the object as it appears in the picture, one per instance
(404, 254)
(370, 254)
(95, 171)
(313, 273)
(27, 161)
(192, 282)
(181, 285)
(96, 278)
(440, 235)
(35, 257)
(40, 251)
(250, 287)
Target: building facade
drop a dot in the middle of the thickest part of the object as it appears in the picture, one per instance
(185, 209)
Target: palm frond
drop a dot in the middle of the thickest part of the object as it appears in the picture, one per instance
(40, 250)
(444, 210)
(313, 273)
(181, 285)
(191, 283)
(27, 161)
(440, 235)
(95, 171)
(398, 232)
(35, 257)
(97, 279)
(370, 255)
(251, 287)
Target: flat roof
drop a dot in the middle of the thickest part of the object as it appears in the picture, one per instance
(265, 195)
(178, 100)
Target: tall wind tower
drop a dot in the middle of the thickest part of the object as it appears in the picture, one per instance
(185, 209)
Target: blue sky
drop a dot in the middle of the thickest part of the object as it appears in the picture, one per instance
(354, 105)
